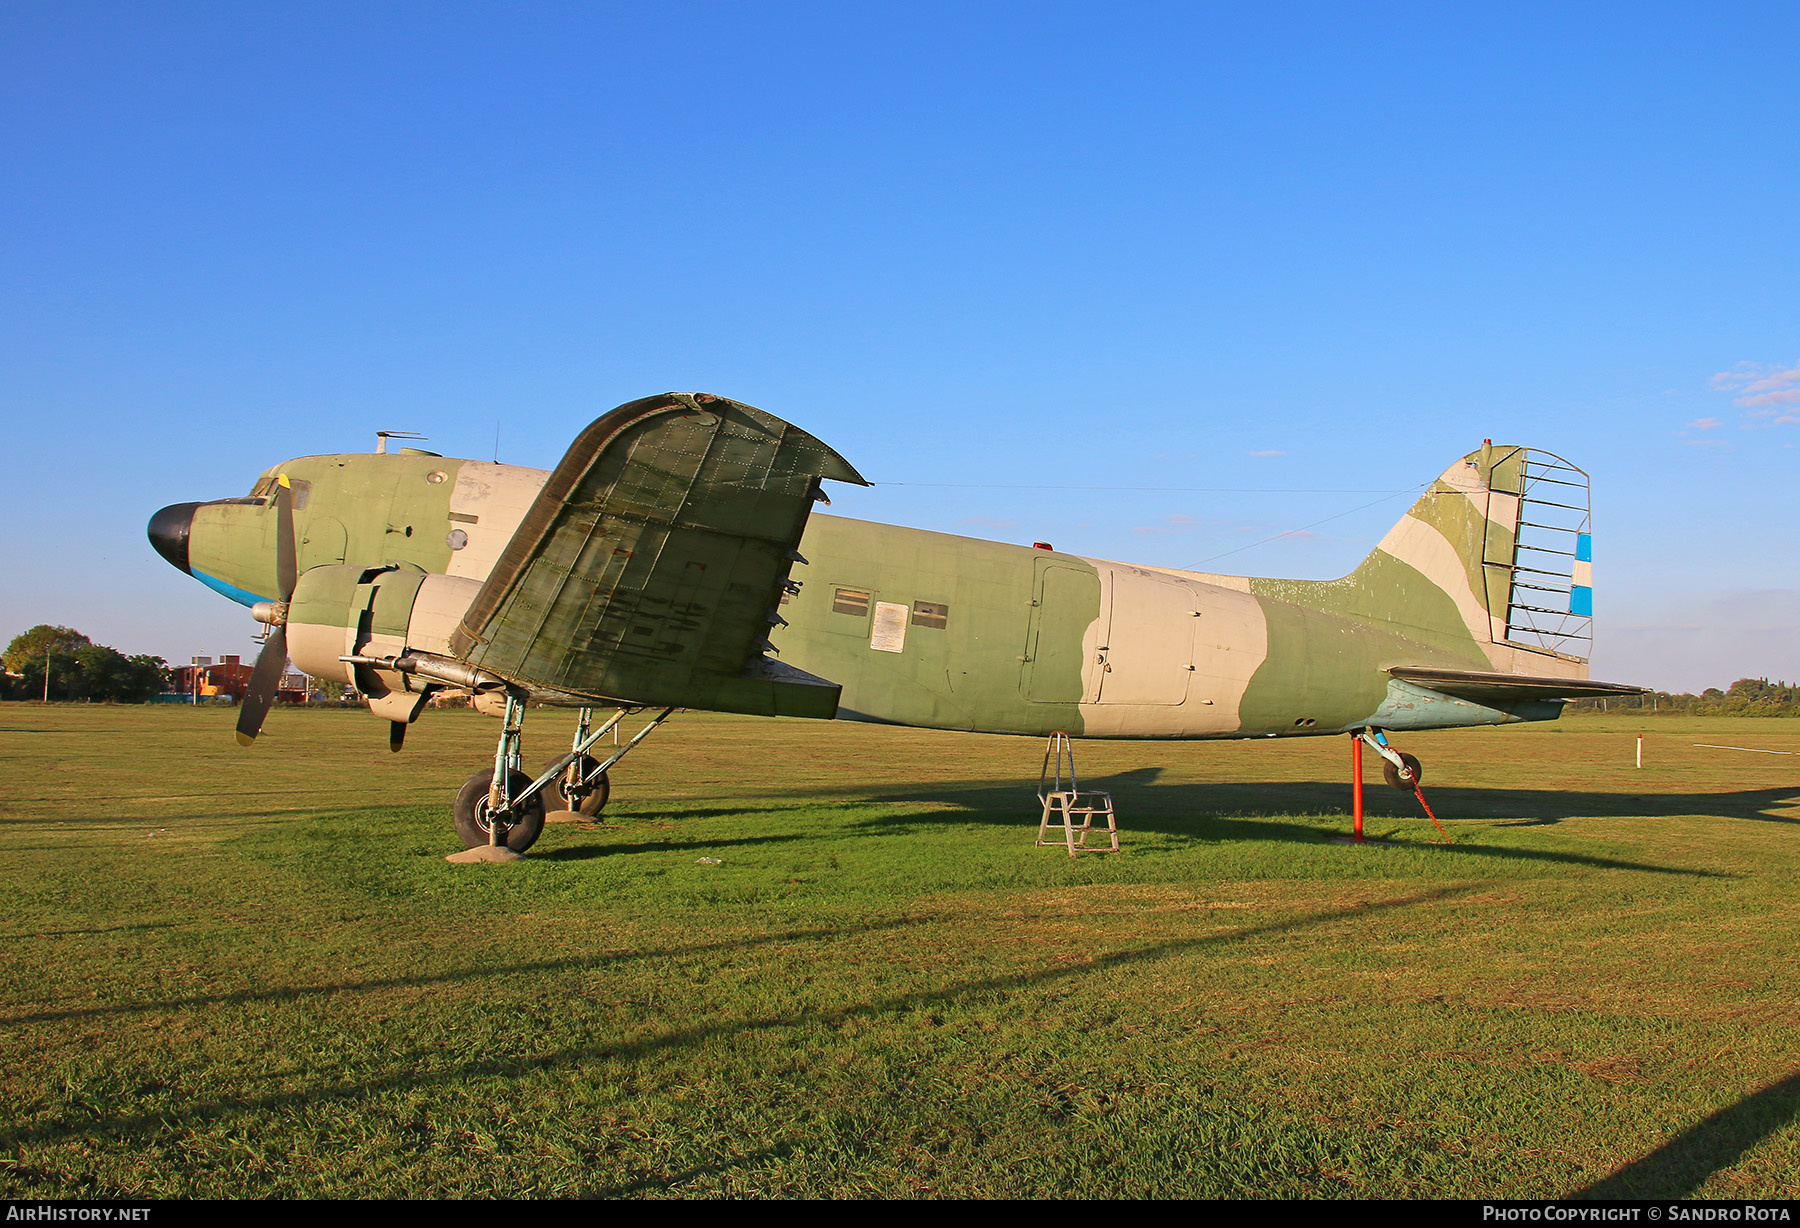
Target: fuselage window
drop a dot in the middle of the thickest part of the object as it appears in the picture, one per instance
(851, 601)
(930, 614)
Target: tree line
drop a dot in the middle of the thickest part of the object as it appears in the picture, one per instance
(77, 668)
(1745, 697)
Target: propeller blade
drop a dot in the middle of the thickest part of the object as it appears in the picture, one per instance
(286, 568)
(396, 736)
(264, 680)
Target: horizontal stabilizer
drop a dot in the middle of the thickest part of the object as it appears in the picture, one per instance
(1498, 690)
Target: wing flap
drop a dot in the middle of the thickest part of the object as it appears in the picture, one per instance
(646, 568)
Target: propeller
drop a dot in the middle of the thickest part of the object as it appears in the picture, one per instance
(271, 662)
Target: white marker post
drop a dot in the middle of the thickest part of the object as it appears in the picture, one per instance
(1640, 750)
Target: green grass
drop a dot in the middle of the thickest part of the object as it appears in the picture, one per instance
(251, 973)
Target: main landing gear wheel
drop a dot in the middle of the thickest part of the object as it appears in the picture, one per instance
(518, 830)
(1391, 774)
(585, 800)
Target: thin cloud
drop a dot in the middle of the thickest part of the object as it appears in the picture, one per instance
(1268, 453)
(1762, 390)
(1705, 424)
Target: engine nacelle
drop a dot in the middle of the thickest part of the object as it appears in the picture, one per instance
(342, 611)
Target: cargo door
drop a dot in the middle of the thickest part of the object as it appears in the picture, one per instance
(1146, 649)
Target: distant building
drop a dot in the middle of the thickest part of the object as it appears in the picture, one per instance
(207, 680)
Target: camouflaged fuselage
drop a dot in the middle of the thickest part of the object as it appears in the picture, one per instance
(929, 629)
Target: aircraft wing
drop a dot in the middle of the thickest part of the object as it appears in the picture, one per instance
(1497, 690)
(652, 564)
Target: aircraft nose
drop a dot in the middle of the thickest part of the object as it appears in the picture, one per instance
(169, 531)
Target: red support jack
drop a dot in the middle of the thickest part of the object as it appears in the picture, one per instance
(1356, 792)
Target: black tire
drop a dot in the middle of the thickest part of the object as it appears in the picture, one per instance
(591, 800)
(470, 811)
(1392, 774)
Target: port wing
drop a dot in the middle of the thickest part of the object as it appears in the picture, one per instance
(652, 564)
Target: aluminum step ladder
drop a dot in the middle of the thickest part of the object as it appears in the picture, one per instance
(1072, 803)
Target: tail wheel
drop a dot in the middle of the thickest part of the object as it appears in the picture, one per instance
(1392, 774)
(587, 800)
(518, 829)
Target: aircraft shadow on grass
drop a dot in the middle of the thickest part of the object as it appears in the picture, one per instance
(1213, 812)
(1684, 1163)
(1152, 805)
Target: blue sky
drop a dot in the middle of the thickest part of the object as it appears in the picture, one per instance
(1310, 249)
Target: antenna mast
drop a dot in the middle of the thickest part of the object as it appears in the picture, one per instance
(381, 438)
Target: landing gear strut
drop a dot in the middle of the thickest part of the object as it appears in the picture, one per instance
(1402, 771)
(504, 806)
(582, 785)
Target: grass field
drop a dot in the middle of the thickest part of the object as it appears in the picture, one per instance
(251, 973)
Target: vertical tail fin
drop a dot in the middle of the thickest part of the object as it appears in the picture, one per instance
(1505, 535)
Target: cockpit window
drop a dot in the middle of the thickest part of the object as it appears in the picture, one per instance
(265, 488)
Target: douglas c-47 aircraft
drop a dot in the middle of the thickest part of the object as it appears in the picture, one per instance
(672, 561)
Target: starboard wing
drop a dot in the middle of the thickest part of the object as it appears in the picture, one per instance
(651, 566)
(1497, 690)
